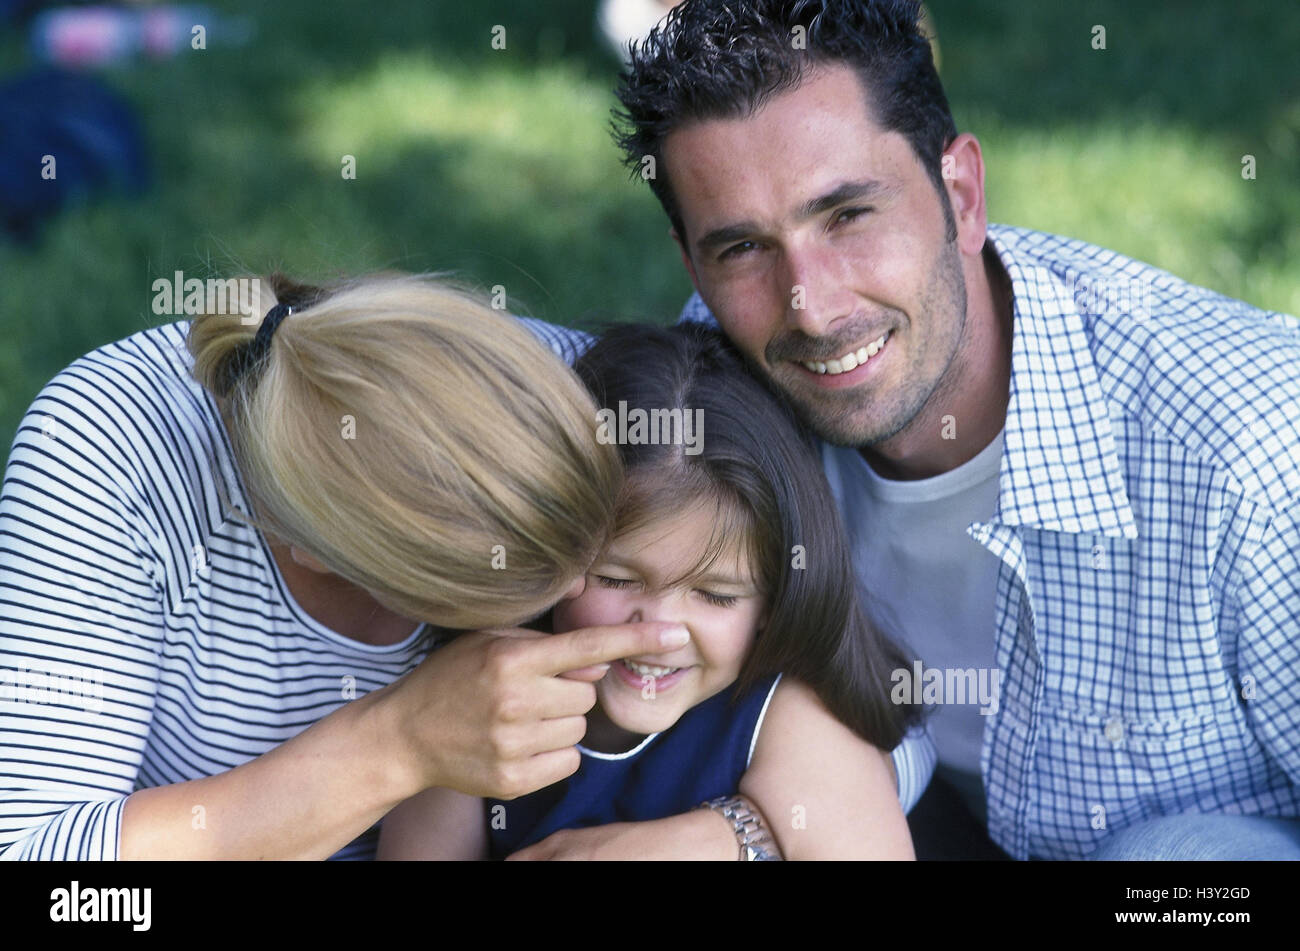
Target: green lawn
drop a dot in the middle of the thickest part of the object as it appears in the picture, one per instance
(497, 164)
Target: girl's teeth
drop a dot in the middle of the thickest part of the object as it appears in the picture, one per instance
(850, 361)
(645, 670)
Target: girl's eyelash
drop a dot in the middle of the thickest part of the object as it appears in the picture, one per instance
(719, 600)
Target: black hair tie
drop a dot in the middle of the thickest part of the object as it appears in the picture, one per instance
(257, 349)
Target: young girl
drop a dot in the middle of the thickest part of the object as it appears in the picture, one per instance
(781, 694)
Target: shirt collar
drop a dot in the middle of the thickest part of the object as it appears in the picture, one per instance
(1060, 467)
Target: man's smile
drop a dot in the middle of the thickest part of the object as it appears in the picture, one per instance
(849, 368)
(848, 361)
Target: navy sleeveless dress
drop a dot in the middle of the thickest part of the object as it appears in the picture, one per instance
(702, 756)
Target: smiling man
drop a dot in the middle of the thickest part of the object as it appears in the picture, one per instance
(1052, 461)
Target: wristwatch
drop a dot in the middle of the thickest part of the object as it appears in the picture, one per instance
(756, 843)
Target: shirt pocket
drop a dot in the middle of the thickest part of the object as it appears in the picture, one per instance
(1101, 771)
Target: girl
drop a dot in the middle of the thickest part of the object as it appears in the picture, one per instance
(781, 692)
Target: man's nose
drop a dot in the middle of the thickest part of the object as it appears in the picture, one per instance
(818, 290)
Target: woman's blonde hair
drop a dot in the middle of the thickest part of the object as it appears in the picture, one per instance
(415, 441)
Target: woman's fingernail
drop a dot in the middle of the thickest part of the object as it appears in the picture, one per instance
(675, 637)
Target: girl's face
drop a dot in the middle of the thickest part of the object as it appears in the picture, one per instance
(632, 580)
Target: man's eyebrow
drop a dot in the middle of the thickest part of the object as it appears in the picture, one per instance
(726, 235)
(844, 192)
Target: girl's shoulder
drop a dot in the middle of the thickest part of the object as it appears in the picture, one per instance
(795, 714)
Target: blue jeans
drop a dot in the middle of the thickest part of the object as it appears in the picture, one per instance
(1203, 837)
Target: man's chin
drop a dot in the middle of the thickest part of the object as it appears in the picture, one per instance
(851, 430)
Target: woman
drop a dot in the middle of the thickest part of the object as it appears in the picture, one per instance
(234, 544)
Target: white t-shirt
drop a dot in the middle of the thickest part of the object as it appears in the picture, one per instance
(928, 584)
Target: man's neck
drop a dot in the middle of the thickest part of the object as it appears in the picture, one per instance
(969, 409)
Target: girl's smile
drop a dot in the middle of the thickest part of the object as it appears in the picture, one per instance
(643, 676)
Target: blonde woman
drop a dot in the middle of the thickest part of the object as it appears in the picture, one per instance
(228, 547)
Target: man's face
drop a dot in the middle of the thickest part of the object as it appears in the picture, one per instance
(820, 244)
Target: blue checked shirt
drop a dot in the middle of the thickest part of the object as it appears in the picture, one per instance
(1148, 534)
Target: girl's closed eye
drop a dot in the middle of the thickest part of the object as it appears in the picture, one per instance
(606, 581)
(718, 600)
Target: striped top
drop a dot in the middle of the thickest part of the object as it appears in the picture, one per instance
(146, 634)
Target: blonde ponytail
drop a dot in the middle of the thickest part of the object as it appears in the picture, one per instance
(417, 442)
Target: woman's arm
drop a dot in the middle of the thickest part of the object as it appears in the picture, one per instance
(305, 799)
(487, 714)
(439, 825)
(825, 792)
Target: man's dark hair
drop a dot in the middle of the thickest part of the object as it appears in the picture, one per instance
(718, 59)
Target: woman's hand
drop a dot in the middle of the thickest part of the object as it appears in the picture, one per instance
(499, 713)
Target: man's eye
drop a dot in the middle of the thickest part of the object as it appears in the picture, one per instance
(849, 214)
(607, 582)
(737, 250)
(719, 600)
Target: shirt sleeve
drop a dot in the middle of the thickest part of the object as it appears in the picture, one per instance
(81, 617)
(1269, 640)
(568, 344)
(694, 311)
(914, 762)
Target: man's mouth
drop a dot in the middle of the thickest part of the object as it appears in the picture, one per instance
(847, 361)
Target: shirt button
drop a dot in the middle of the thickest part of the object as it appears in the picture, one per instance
(1115, 730)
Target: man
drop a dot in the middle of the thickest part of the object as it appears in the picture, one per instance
(1068, 477)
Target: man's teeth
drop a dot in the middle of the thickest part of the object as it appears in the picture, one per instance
(645, 670)
(850, 361)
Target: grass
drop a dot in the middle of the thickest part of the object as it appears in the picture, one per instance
(497, 164)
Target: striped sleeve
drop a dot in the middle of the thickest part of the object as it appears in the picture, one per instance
(914, 761)
(81, 615)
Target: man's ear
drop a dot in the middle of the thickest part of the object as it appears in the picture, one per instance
(963, 177)
(686, 257)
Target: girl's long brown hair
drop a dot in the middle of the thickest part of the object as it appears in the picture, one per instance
(759, 468)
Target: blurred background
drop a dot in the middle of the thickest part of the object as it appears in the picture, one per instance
(497, 163)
